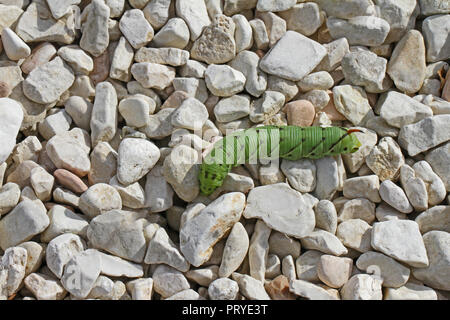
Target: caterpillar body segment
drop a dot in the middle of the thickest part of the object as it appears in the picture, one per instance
(267, 143)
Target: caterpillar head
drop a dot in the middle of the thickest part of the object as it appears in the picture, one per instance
(353, 144)
(211, 177)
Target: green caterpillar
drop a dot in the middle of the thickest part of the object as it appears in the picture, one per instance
(267, 143)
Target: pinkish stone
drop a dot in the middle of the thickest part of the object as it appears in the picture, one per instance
(300, 113)
(70, 181)
(446, 89)
(102, 64)
(330, 110)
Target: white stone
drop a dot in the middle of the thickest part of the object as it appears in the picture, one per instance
(54, 124)
(162, 250)
(15, 48)
(9, 197)
(247, 62)
(94, 28)
(435, 218)
(365, 68)
(363, 187)
(168, 281)
(438, 159)
(194, 13)
(26, 220)
(132, 195)
(232, 108)
(63, 220)
(136, 110)
(274, 204)
(360, 30)
(104, 113)
(293, 49)
(267, 106)
(410, 291)
(204, 276)
(77, 59)
(136, 28)
(351, 101)
(46, 83)
(326, 216)
(327, 178)
(36, 24)
(436, 274)
(158, 193)
(425, 134)
(11, 116)
(243, 35)
(385, 159)
(355, 234)
(258, 250)
(309, 291)
(304, 18)
(399, 110)
(323, 241)
(116, 267)
(199, 233)
(153, 75)
(235, 250)
(181, 172)
(224, 81)
(12, 271)
(121, 61)
(250, 287)
(223, 289)
(157, 12)
(301, 174)
(401, 240)
(362, 287)
(98, 199)
(174, 34)
(120, 233)
(81, 273)
(60, 250)
(136, 157)
(44, 287)
(260, 34)
(435, 29)
(141, 289)
(191, 114)
(394, 274)
(395, 196)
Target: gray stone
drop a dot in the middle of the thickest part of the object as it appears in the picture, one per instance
(104, 113)
(401, 240)
(264, 201)
(436, 274)
(280, 59)
(394, 274)
(400, 110)
(395, 196)
(199, 233)
(323, 241)
(425, 134)
(247, 63)
(235, 250)
(435, 30)
(120, 233)
(438, 159)
(94, 28)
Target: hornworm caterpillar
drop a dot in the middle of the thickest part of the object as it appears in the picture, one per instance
(267, 143)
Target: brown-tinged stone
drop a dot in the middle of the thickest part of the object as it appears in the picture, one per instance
(278, 289)
(5, 89)
(330, 110)
(70, 181)
(300, 113)
(40, 55)
(175, 99)
(101, 69)
(446, 89)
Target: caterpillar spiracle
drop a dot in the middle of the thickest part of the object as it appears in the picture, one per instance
(267, 143)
